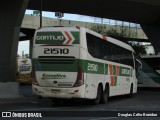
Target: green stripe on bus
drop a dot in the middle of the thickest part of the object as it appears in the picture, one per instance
(95, 67)
(55, 67)
(125, 71)
(76, 36)
(114, 70)
(87, 66)
(106, 69)
(115, 80)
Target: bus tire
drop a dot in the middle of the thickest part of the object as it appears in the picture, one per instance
(105, 95)
(98, 96)
(131, 91)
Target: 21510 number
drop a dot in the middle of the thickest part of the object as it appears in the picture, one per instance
(56, 51)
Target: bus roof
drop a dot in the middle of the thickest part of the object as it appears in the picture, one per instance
(76, 28)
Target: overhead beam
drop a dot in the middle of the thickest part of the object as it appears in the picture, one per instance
(136, 11)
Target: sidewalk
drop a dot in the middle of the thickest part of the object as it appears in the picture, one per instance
(24, 95)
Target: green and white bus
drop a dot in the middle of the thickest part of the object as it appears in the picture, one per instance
(75, 62)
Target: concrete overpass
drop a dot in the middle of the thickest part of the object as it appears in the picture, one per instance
(136, 11)
(32, 22)
(144, 12)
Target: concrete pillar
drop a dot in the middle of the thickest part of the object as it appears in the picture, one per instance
(153, 34)
(11, 16)
(12, 13)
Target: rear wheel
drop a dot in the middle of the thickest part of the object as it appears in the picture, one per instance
(105, 95)
(98, 97)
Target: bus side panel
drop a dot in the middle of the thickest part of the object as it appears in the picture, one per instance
(90, 86)
(114, 80)
(119, 78)
(95, 76)
(89, 79)
(126, 78)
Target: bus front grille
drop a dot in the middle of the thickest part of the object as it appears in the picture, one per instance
(56, 59)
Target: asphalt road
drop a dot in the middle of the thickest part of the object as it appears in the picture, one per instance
(143, 102)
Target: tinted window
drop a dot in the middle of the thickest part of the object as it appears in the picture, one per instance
(102, 49)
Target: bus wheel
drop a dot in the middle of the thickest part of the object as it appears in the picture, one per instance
(105, 95)
(131, 91)
(99, 95)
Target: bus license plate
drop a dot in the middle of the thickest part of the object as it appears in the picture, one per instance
(55, 91)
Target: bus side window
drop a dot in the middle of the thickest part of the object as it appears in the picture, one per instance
(90, 44)
(94, 45)
(107, 52)
(98, 48)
